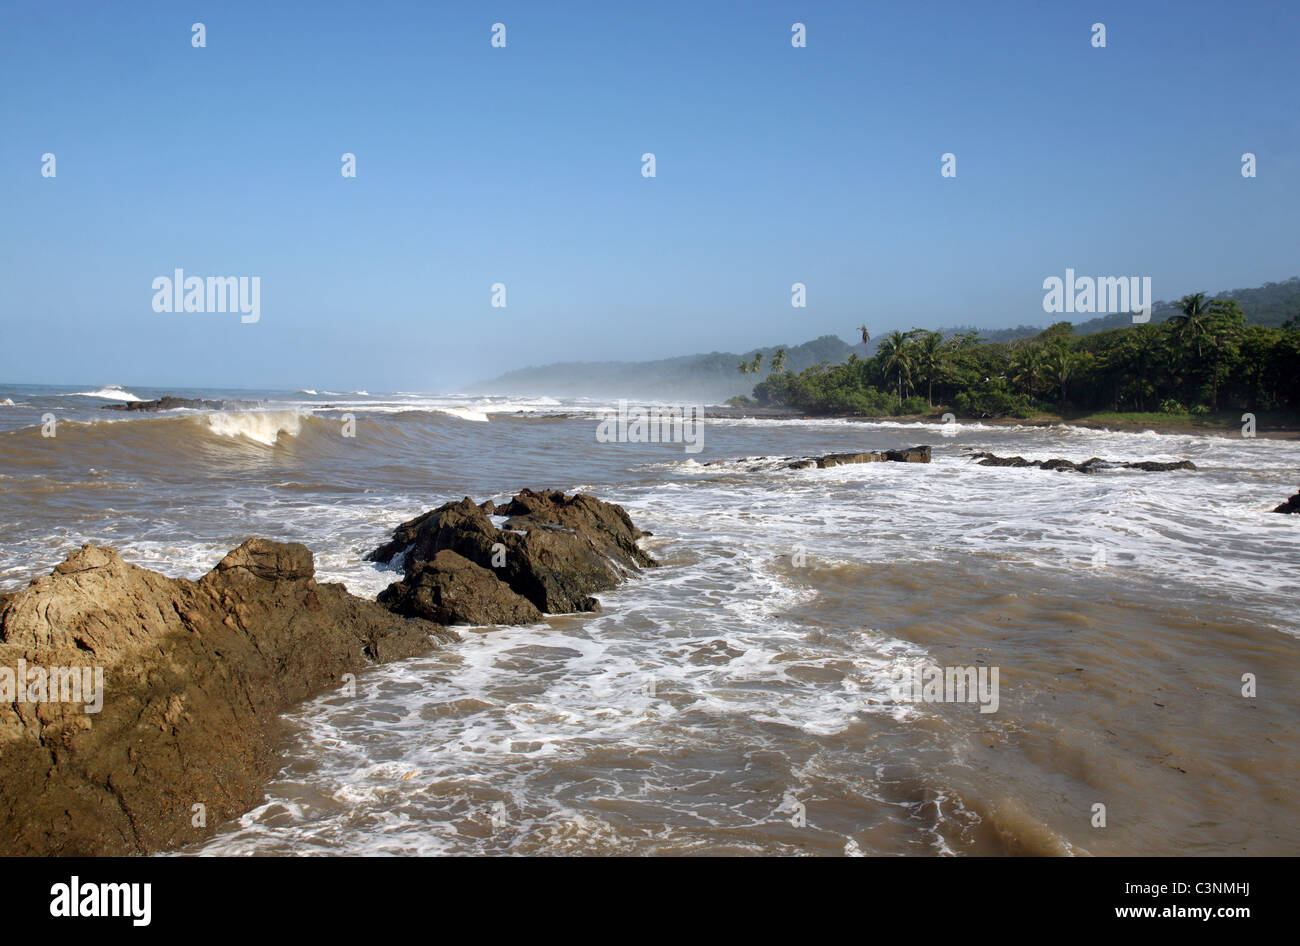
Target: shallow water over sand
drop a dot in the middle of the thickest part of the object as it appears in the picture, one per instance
(737, 699)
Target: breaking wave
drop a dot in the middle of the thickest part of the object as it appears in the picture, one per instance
(260, 427)
(110, 392)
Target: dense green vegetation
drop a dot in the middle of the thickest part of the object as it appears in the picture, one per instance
(1203, 359)
(713, 377)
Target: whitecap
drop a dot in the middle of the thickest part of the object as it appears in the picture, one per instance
(110, 392)
(261, 427)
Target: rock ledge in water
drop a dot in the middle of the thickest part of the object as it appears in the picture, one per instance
(911, 455)
(550, 556)
(1292, 505)
(1091, 465)
(194, 675)
(170, 403)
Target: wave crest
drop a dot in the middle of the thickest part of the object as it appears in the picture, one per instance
(464, 413)
(264, 427)
(109, 392)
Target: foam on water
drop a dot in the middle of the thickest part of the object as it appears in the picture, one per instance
(481, 723)
(461, 406)
(642, 727)
(464, 413)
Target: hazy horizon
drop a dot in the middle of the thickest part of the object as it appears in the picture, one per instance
(470, 386)
(522, 165)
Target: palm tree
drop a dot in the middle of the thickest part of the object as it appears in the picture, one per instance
(758, 361)
(1216, 323)
(1135, 362)
(1190, 323)
(1223, 331)
(1027, 371)
(1061, 364)
(866, 336)
(778, 361)
(744, 367)
(929, 360)
(896, 358)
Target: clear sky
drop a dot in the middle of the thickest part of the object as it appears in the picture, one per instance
(522, 165)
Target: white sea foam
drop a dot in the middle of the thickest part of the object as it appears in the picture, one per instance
(110, 392)
(264, 427)
(476, 409)
(679, 657)
(712, 647)
(464, 413)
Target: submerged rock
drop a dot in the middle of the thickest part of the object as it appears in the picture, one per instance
(550, 556)
(1292, 505)
(1091, 465)
(193, 677)
(911, 455)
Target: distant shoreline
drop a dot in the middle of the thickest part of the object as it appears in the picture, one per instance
(1117, 422)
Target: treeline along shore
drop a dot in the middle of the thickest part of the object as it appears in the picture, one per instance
(1199, 364)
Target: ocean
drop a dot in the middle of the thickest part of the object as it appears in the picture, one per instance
(741, 698)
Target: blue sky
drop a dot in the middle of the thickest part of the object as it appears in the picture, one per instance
(522, 165)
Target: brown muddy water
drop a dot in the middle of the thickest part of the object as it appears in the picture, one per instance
(742, 698)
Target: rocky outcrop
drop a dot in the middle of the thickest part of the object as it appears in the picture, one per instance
(1292, 505)
(193, 677)
(170, 403)
(450, 589)
(1091, 465)
(549, 556)
(911, 455)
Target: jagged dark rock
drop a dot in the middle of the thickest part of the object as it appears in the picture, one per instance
(182, 403)
(1292, 505)
(911, 455)
(1091, 465)
(1156, 466)
(553, 552)
(194, 676)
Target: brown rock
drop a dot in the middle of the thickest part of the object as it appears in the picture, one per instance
(194, 675)
(450, 589)
(555, 551)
